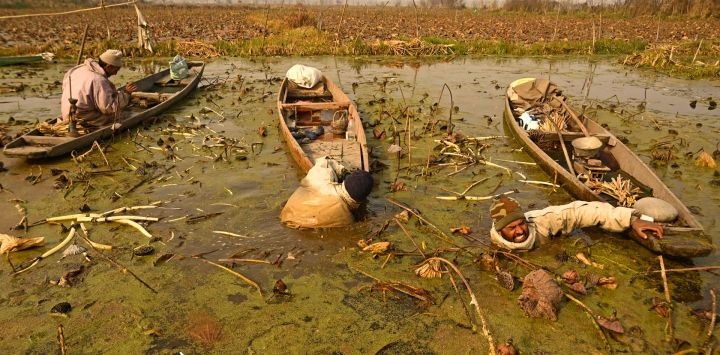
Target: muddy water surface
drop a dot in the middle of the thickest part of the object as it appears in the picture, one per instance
(331, 306)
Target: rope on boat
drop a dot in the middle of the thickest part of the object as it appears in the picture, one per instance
(67, 12)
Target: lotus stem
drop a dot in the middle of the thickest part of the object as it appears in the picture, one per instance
(473, 301)
(134, 225)
(93, 244)
(230, 234)
(50, 252)
(71, 217)
(241, 276)
(126, 209)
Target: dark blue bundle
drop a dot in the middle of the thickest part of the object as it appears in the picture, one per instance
(311, 134)
(298, 135)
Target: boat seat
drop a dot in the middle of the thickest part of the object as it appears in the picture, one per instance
(296, 92)
(316, 106)
(28, 151)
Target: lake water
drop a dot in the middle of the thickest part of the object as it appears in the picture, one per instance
(332, 307)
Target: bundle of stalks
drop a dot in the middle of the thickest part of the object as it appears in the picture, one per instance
(553, 119)
(59, 129)
(196, 49)
(414, 47)
(622, 190)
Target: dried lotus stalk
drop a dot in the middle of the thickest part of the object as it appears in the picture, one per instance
(622, 190)
(429, 269)
(377, 248)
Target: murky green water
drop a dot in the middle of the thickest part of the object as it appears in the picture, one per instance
(330, 308)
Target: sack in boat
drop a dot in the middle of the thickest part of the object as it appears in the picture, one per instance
(178, 68)
(656, 208)
(339, 123)
(303, 76)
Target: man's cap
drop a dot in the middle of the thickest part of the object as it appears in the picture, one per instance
(358, 185)
(112, 57)
(504, 211)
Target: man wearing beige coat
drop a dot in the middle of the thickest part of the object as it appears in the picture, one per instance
(514, 229)
(99, 102)
(322, 202)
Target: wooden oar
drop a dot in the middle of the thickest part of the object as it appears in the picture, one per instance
(573, 115)
(564, 149)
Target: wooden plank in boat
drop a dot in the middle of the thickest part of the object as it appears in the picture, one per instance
(171, 83)
(316, 105)
(46, 140)
(28, 151)
(318, 91)
(347, 152)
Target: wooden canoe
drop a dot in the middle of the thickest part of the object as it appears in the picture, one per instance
(25, 59)
(306, 107)
(36, 145)
(683, 238)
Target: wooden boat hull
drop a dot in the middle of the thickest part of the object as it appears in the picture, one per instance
(35, 145)
(355, 158)
(686, 241)
(20, 60)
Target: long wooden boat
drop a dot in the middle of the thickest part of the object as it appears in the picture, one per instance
(25, 59)
(36, 145)
(306, 109)
(682, 238)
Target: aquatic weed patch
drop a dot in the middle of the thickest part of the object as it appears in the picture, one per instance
(692, 59)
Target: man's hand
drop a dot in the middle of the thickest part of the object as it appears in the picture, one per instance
(130, 88)
(641, 228)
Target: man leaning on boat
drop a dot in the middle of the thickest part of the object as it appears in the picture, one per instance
(514, 229)
(322, 202)
(99, 103)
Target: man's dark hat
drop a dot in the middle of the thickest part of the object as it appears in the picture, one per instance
(358, 185)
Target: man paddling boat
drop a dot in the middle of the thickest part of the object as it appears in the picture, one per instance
(99, 103)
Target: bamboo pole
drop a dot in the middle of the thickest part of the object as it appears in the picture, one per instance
(574, 116)
(82, 45)
(564, 149)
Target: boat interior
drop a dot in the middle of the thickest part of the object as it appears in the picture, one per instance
(606, 166)
(314, 110)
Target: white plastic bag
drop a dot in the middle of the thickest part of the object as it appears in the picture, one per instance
(304, 76)
(529, 122)
(178, 68)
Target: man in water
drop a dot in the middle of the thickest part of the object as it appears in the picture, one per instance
(514, 229)
(322, 202)
(99, 102)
